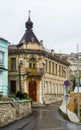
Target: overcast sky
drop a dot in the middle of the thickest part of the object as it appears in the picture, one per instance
(56, 22)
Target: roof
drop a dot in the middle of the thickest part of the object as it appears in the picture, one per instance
(12, 47)
(29, 35)
(3, 39)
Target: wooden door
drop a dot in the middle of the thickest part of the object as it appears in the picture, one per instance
(32, 90)
(13, 86)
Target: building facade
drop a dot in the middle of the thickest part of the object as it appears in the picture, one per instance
(74, 61)
(74, 69)
(4, 67)
(35, 70)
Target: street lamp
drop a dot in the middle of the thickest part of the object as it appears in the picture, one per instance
(78, 82)
(20, 63)
(44, 63)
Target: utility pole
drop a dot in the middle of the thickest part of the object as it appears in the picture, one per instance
(78, 82)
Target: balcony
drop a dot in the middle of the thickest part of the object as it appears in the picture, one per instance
(35, 72)
(2, 68)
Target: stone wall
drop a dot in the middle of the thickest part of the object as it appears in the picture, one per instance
(73, 102)
(49, 99)
(11, 111)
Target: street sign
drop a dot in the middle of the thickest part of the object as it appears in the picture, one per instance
(66, 83)
(66, 96)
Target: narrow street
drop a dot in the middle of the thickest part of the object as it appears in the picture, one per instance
(43, 118)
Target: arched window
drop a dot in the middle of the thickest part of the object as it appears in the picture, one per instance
(32, 63)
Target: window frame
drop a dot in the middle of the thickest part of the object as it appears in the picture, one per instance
(32, 63)
(13, 64)
(1, 58)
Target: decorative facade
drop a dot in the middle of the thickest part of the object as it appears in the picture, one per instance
(35, 70)
(4, 67)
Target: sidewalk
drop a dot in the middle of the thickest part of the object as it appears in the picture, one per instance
(72, 116)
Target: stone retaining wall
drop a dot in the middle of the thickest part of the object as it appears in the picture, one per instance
(73, 102)
(11, 111)
(53, 98)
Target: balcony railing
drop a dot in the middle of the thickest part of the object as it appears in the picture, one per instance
(36, 71)
(2, 67)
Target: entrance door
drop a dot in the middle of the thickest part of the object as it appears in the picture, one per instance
(32, 90)
(13, 86)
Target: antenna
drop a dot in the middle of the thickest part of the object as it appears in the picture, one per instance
(29, 13)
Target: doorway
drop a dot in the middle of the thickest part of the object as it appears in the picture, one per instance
(13, 86)
(32, 90)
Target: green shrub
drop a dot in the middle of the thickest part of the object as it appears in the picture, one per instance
(21, 95)
(12, 96)
(25, 95)
(28, 98)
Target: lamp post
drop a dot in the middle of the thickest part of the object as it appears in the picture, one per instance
(44, 63)
(20, 63)
(66, 83)
(19, 77)
(78, 82)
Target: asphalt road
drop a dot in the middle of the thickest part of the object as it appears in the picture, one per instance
(43, 118)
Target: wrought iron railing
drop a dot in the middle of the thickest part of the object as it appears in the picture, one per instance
(36, 71)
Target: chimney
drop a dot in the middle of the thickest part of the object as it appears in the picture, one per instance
(52, 52)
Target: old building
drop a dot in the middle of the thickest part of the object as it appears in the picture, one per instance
(35, 70)
(3, 67)
(74, 69)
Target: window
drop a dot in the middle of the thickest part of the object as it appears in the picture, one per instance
(1, 57)
(32, 63)
(49, 87)
(46, 65)
(0, 82)
(49, 66)
(13, 63)
(59, 70)
(56, 89)
(62, 71)
(46, 87)
(53, 68)
(13, 86)
(53, 88)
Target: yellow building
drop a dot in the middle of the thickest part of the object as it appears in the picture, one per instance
(35, 70)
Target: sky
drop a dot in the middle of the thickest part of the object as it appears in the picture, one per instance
(56, 22)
